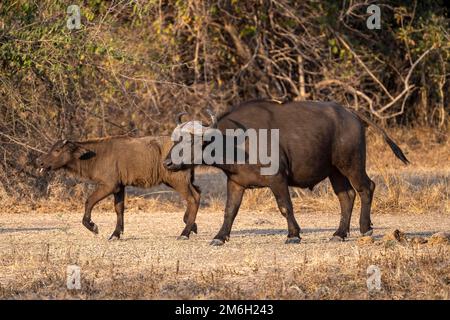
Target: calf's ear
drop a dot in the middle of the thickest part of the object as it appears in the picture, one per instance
(83, 153)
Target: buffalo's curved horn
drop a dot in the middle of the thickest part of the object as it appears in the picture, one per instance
(178, 117)
(213, 119)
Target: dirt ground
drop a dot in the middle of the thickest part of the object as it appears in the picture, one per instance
(149, 262)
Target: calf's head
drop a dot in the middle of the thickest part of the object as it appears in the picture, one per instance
(62, 153)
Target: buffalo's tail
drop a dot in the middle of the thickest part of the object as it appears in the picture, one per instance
(394, 147)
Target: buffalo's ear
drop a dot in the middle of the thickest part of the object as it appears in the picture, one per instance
(83, 153)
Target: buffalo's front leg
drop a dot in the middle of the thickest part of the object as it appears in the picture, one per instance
(234, 199)
(119, 206)
(100, 193)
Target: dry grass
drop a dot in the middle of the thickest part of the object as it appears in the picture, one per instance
(150, 263)
(38, 240)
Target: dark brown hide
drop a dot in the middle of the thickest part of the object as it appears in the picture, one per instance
(318, 140)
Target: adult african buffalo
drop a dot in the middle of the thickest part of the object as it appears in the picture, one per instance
(116, 162)
(316, 140)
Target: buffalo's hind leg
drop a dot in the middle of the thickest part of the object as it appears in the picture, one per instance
(119, 206)
(365, 187)
(346, 195)
(366, 194)
(281, 193)
(235, 193)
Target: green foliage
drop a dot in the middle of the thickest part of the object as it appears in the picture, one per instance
(248, 31)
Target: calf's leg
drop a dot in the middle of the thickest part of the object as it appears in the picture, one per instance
(99, 194)
(196, 192)
(192, 197)
(191, 194)
(235, 193)
(119, 206)
(346, 195)
(281, 193)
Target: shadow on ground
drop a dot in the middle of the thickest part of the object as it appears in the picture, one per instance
(273, 232)
(36, 229)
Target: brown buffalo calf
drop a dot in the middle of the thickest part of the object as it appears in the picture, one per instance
(116, 162)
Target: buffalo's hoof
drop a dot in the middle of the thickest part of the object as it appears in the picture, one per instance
(217, 242)
(194, 228)
(114, 237)
(183, 238)
(368, 233)
(337, 239)
(95, 229)
(292, 240)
